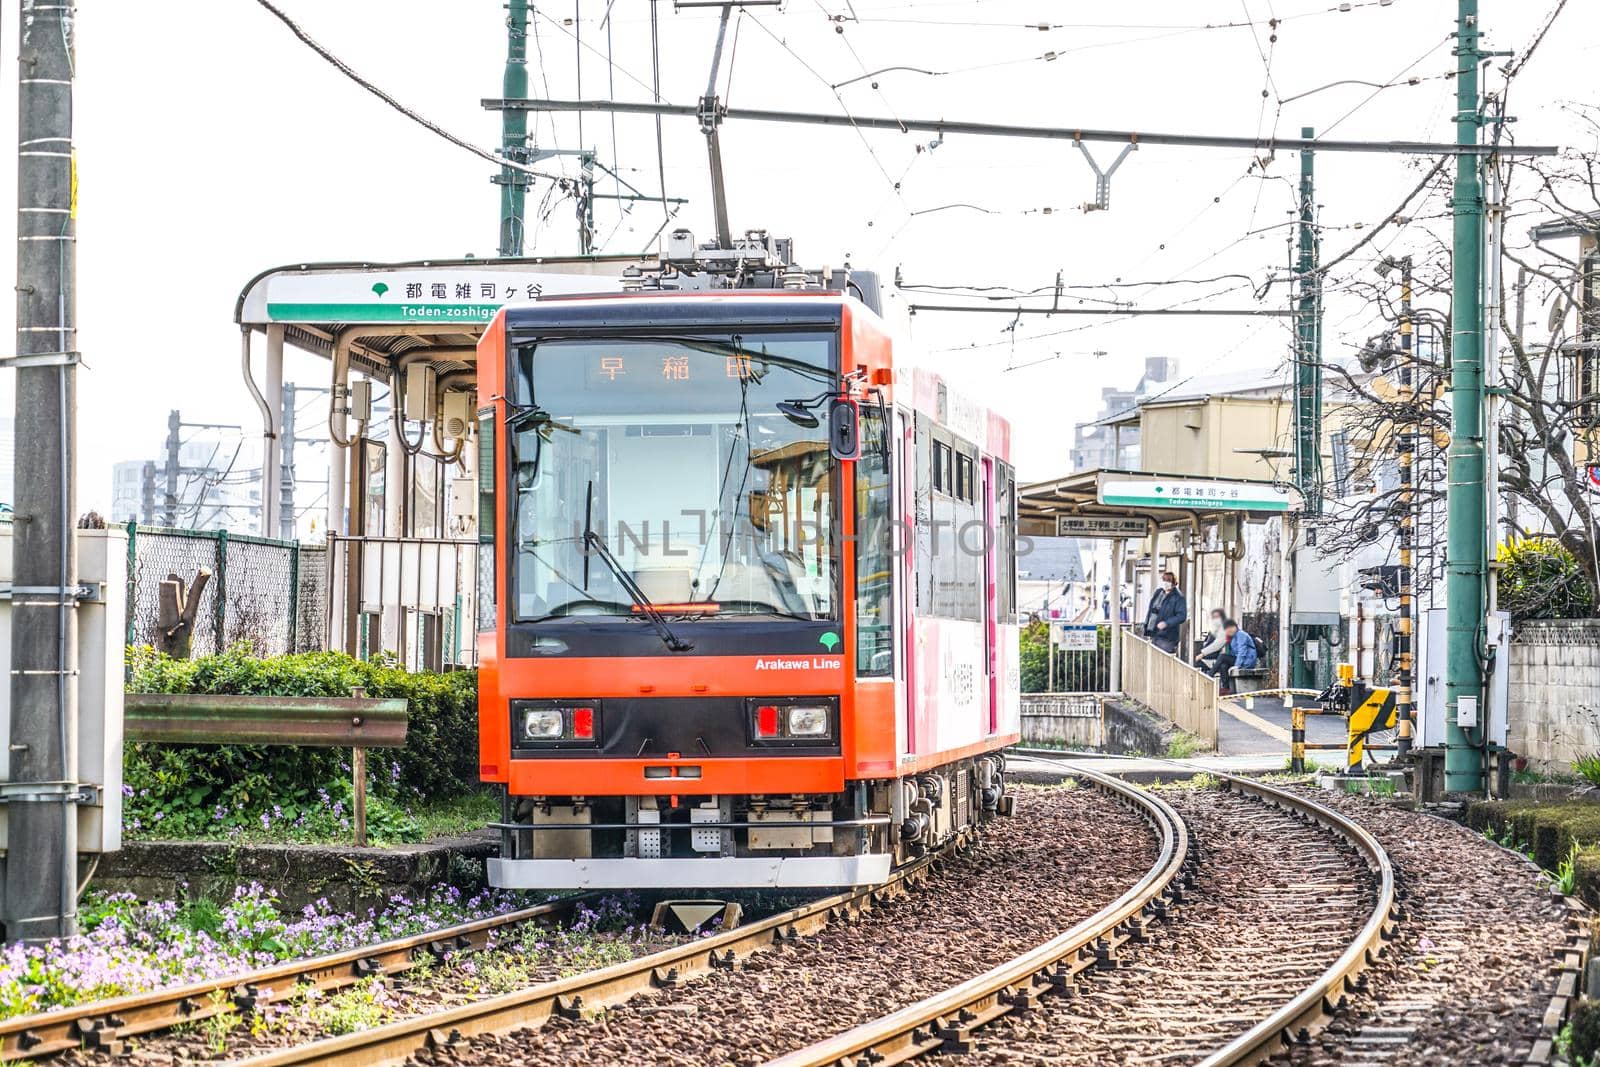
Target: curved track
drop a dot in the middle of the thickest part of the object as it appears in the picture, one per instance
(446, 1035)
(947, 1021)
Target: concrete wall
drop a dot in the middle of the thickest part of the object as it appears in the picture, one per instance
(1554, 706)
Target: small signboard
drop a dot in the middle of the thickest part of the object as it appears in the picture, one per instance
(1193, 494)
(1074, 637)
(1099, 526)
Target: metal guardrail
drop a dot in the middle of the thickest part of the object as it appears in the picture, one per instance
(314, 722)
(355, 722)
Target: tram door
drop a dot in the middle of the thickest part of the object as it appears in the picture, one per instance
(902, 483)
(991, 644)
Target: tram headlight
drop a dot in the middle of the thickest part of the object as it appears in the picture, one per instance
(807, 721)
(543, 724)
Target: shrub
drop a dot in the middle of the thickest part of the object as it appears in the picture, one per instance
(1539, 578)
(200, 790)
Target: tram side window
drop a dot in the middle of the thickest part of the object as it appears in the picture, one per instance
(486, 519)
(874, 551)
(1006, 543)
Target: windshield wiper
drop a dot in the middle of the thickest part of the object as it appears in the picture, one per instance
(593, 543)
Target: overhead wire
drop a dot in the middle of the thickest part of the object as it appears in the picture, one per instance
(345, 69)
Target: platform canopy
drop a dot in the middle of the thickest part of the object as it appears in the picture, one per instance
(385, 310)
(1125, 504)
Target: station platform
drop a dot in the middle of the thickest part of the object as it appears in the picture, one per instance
(1260, 726)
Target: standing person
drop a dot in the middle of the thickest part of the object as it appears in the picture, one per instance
(1216, 641)
(1168, 610)
(1240, 652)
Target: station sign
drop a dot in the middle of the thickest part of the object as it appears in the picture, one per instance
(1077, 637)
(420, 294)
(1099, 526)
(1194, 494)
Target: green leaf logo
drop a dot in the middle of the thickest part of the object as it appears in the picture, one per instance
(380, 288)
(829, 640)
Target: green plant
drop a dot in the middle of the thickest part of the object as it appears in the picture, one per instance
(1539, 578)
(1587, 767)
(216, 1028)
(1564, 879)
(1182, 745)
(361, 1006)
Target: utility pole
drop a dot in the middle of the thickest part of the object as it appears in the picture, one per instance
(147, 494)
(286, 522)
(1308, 343)
(41, 871)
(1465, 564)
(1406, 450)
(169, 506)
(514, 131)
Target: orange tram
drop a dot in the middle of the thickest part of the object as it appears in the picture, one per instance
(747, 597)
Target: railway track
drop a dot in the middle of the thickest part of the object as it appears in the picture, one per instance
(1217, 985)
(105, 1025)
(452, 1035)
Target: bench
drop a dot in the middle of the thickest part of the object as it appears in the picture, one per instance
(1249, 679)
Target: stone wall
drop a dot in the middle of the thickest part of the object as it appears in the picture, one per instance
(1554, 712)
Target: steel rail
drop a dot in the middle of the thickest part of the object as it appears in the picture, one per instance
(104, 1024)
(945, 1021)
(572, 997)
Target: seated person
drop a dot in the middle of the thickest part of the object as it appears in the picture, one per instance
(1240, 652)
(1216, 641)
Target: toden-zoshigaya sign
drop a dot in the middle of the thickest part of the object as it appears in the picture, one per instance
(1194, 494)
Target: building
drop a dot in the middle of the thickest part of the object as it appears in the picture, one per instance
(8, 456)
(1098, 445)
(217, 487)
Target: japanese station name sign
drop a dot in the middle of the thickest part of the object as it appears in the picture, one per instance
(1099, 526)
(1193, 494)
(421, 294)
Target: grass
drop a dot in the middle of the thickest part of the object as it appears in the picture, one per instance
(423, 821)
(1183, 746)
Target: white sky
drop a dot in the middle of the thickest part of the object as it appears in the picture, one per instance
(213, 145)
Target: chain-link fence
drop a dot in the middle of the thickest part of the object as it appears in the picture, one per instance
(272, 594)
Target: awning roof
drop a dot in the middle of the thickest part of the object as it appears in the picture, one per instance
(1160, 501)
(432, 303)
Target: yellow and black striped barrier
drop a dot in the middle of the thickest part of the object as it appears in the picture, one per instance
(1377, 711)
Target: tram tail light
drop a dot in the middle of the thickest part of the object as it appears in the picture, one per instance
(583, 723)
(766, 721)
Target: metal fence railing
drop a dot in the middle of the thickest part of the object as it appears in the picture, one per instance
(271, 594)
(1169, 687)
(1080, 658)
(413, 598)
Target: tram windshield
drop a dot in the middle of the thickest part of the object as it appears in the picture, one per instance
(700, 461)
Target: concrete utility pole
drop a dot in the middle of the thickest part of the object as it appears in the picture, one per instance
(286, 523)
(1308, 342)
(147, 494)
(514, 130)
(1465, 564)
(169, 506)
(41, 793)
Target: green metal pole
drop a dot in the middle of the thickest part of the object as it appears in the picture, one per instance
(221, 591)
(514, 130)
(1308, 343)
(1465, 565)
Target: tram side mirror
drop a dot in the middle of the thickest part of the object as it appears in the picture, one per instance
(844, 429)
(797, 413)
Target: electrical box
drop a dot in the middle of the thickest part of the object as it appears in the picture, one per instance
(1467, 712)
(419, 393)
(463, 501)
(102, 645)
(680, 245)
(457, 417)
(361, 400)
